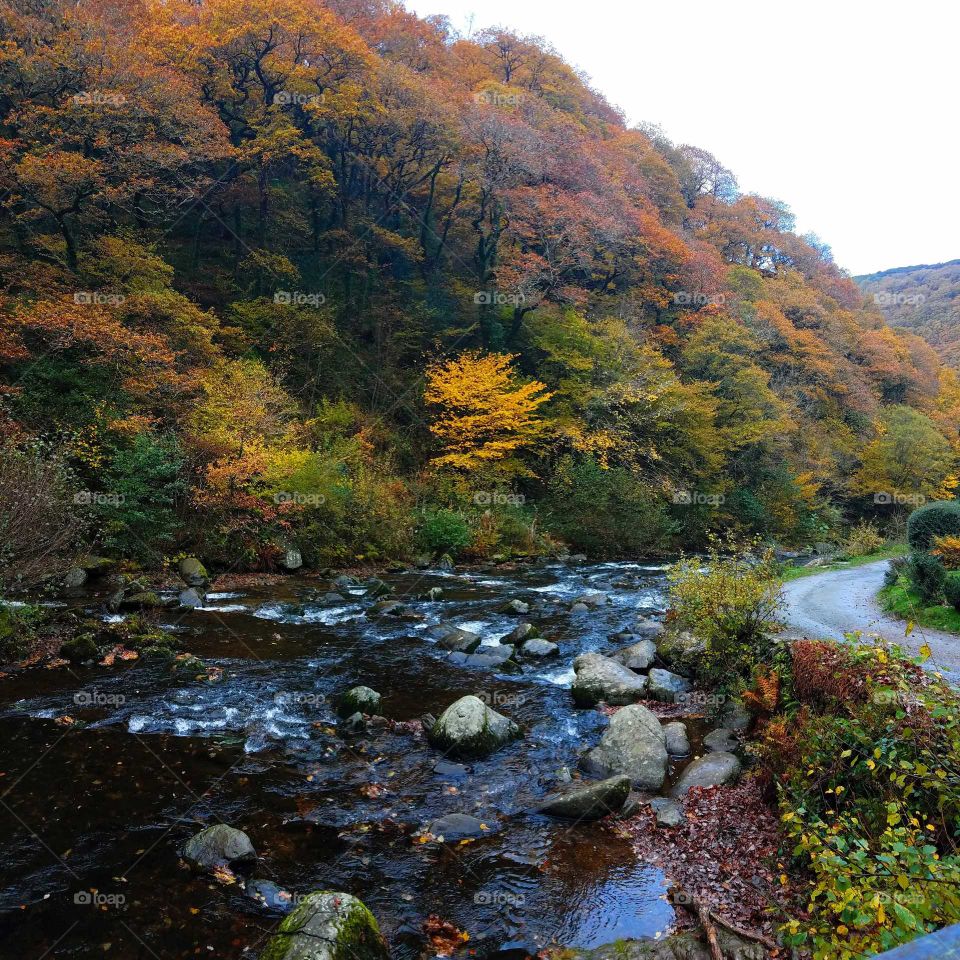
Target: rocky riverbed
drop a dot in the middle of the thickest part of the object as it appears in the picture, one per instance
(470, 780)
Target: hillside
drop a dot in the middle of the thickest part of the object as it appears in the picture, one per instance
(278, 271)
(925, 300)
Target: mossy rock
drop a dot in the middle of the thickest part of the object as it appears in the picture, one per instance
(469, 728)
(80, 649)
(193, 572)
(358, 700)
(328, 925)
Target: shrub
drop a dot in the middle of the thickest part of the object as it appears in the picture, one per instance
(605, 512)
(947, 549)
(867, 802)
(39, 518)
(938, 519)
(143, 482)
(863, 539)
(951, 590)
(444, 531)
(18, 630)
(731, 602)
(927, 576)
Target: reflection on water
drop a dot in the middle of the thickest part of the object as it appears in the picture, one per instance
(105, 807)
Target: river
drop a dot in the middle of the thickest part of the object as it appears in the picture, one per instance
(105, 805)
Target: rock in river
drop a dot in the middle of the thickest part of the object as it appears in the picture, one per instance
(457, 640)
(668, 812)
(193, 572)
(217, 846)
(358, 700)
(588, 801)
(600, 678)
(458, 826)
(328, 925)
(538, 647)
(678, 745)
(721, 740)
(469, 728)
(638, 656)
(665, 685)
(710, 770)
(633, 744)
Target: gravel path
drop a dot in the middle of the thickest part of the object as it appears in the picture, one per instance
(828, 605)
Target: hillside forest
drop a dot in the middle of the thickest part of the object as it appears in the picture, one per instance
(283, 273)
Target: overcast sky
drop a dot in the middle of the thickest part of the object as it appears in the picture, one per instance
(846, 110)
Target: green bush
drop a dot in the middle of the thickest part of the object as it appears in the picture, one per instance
(18, 629)
(938, 519)
(868, 804)
(927, 576)
(731, 602)
(605, 512)
(951, 591)
(444, 531)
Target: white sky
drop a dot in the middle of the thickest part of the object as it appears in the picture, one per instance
(847, 110)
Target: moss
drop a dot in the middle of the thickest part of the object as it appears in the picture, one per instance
(80, 649)
(314, 932)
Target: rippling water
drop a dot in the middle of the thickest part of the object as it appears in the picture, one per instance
(106, 807)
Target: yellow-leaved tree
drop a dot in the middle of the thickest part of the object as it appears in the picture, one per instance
(485, 414)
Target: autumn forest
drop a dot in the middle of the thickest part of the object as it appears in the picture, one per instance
(332, 274)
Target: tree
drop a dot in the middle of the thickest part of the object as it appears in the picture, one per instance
(485, 417)
(909, 458)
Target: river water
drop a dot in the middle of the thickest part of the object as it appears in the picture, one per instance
(105, 806)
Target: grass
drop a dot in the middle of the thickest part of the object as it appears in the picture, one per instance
(905, 603)
(884, 553)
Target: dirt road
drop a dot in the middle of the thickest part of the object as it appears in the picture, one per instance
(828, 605)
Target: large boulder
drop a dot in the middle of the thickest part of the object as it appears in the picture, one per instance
(219, 846)
(469, 728)
(327, 925)
(600, 678)
(637, 656)
(588, 801)
(633, 744)
(358, 700)
(666, 686)
(193, 572)
(710, 770)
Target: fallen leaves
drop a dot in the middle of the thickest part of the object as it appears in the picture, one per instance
(443, 935)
